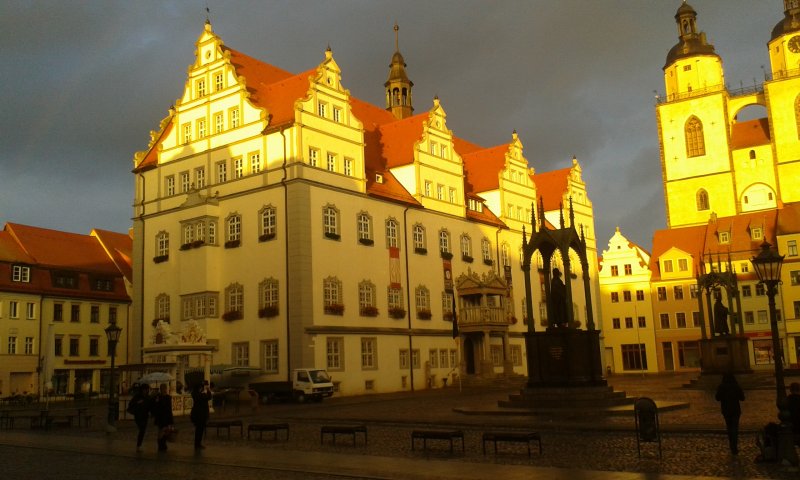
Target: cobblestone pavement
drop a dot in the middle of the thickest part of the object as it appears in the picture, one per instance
(693, 440)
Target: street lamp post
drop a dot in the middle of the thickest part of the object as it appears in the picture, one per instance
(767, 265)
(112, 334)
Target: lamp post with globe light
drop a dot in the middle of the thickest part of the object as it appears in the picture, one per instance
(112, 334)
(767, 265)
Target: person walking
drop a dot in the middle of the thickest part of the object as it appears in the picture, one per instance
(201, 394)
(162, 414)
(139, 407)
(729, 394)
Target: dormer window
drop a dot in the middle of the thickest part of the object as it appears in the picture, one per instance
(378, 178)
(21, 273)
(756, 233)
(65, 279)
(724, 237)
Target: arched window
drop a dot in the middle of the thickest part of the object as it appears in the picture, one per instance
(162, 308)
(234, 228)
(695, 143)
(268, 216)
(330, 222)
(268, 298)
(234, 301)
(752, 154)
(391, 233)
(332, 296)
(419, 238)
(162, 244)
(466, 247)
(366, 299)
(702, 200)
(422, 300)
(444, 241)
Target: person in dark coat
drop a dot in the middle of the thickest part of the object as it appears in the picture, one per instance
(793, 403)
(201, 394)
(729, 394)
(162, 414)
(140, 406)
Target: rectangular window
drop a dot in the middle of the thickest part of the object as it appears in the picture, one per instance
(433, 358)
(443, 358)
(696, 319)
(756, 234)
(74, 313)
(428, 188)
(255, 162)
(405, 359)
(331, 165)
(415, 363)
(201, 88)
(201, 128)
(614, 271)
(94, 347)
(794, 277)
(222, 172)
(348, 167)
(200, 177)
(642, 322)
(219, 122)
(693, 291)
(169, 185)
(322, 109)
(639, 295)
(240, 354)
(238, 168)
(440, 192)
(30, 311)
(313, 157)
(12, 345)
(269, 356)
(234, 122)
(369, 352)
(677, 290)
(664, 320)
(614, 297)
(187, 133)
(28, 345)
(185, 182)
(615, 322)
(58, 347)
(746, 291)
(335, 353)
(74, 347)
(218, 82)
(94, 314)
(749, 318)
(634, 356)
(796, 305)
(626, 295)
(628, 322)
(667, 266)
(21, 273)
(688, 354)
(762, 316)
(112, 314)
(13, 309)
(452, 195)
(628, 269)
(683, 265)
(680, 319)
(58, 312)
(496, 352)
(791, 248)
(337, 115)
(662, 293)
(516, 356)
(760, 292)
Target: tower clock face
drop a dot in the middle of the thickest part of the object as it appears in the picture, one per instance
(794, 44)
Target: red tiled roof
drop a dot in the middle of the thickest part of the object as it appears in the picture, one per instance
(739, 227)
(789, 219)
(398, 140)
(689, 239)
(10, 251)
(483, 167)
(750, 133)
(551, 187)
(119, 247)
(52, 248)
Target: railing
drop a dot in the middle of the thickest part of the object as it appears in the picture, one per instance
(780, 74)
(482, 315)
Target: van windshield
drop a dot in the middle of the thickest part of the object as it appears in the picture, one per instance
(319, 376)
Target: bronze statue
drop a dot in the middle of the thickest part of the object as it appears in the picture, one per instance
(720, 317)
(558, 305)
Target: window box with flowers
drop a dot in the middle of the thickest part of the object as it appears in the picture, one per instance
(488, 261)
(466, 258)
(397, 312)
(332, 235)
(233, 243)
(268, 312)
(232, 315)
(366, 241)
(185, 246)
(160, 258)
(266, 237)
(448, 316)
(421, 250)
(424, 314)
(198, 243)
(334, 309)
(446, 255)
(156, 320)
(369, 311)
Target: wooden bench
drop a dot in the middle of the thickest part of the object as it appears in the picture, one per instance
(226, 424)
(268, 427)
(518, 437)
(426, 435)
(333, 430)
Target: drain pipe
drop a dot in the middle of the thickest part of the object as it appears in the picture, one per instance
(408, 304)
(286, 255)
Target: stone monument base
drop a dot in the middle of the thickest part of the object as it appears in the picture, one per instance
(563, 358)
(725, 354)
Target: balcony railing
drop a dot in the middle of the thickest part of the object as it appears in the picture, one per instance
(482, 316)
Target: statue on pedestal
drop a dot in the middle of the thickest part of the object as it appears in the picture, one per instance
(558, 306)
(720, 317)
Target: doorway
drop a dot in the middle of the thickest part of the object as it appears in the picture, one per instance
(469, 355)
(669, 362)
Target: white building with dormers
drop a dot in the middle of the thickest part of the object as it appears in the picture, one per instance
(302, 227)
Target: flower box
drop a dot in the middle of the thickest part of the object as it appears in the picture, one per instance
(448, 316)
(334, 309)
(198, 243)
(332, 236)
(155, 321)
(366, 241)
(266, 237)
(268, 311)
(424, 314)
(446, 255)
(233, 243)
(397, 312)
(160, 258)
(420, 250)
(488, 261)
(185, 246)
(369, 311)
(466, 258)
(232, 315)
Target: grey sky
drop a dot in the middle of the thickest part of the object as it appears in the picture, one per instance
(83, 83)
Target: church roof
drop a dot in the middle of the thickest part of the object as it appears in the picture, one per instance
(483, 167)
(551, 187)
(751, 133)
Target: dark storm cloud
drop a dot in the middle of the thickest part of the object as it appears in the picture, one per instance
(84, 83)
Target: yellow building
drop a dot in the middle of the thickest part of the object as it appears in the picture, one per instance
(300, 226)
(58, 292)
(711, 160)
(627, 307)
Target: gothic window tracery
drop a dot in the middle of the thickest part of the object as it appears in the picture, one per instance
(695, 143)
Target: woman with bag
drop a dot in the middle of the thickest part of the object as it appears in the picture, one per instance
(200, 412)
(162, 413)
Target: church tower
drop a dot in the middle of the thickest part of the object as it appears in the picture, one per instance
(783, 100)
(692, 119)
(398, 86)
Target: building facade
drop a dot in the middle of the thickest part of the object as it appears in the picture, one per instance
(302, 227)
(58, 291)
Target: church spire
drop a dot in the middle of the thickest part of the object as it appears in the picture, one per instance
(398, 86)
